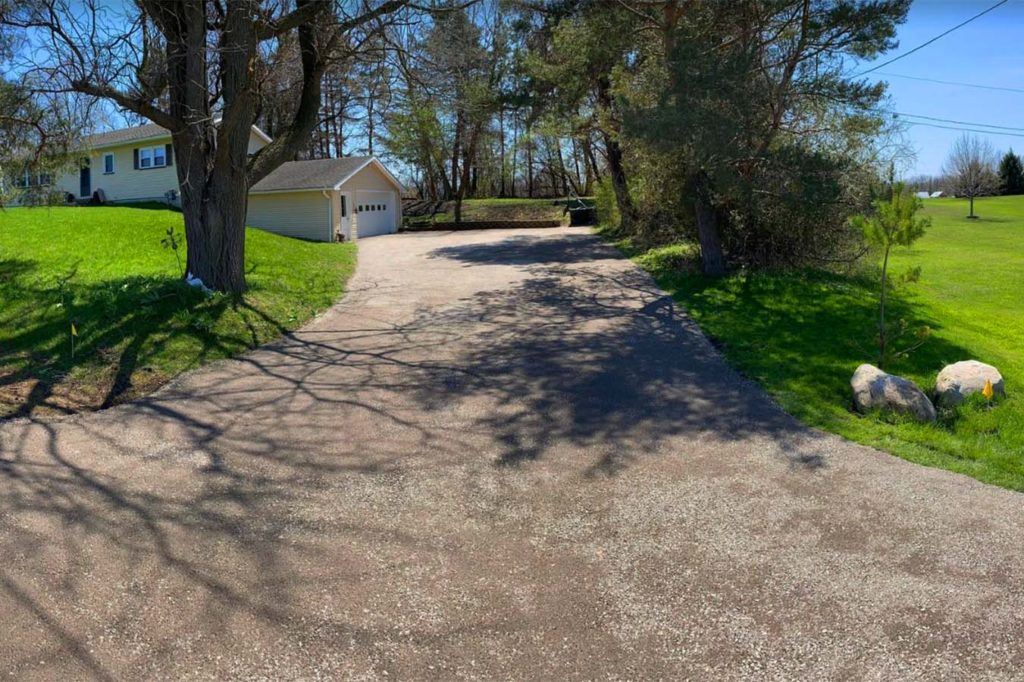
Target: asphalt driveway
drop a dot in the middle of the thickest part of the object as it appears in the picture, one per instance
(505, 454)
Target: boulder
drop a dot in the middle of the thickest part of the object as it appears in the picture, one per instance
(961, 379)
(874, 389)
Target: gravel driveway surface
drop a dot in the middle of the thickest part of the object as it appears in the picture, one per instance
(505, 454)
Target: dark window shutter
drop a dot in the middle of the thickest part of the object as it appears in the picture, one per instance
(135, 158)
(169, 149)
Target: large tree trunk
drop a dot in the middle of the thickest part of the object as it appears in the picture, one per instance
(458, 186)
(620, 186)
(616, 168)
(712, 258)
(215, 232)
(464, 177)
(211, 173)
(593, 172)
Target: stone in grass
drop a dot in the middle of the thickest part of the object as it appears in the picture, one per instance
(874, 389)
(961, 379)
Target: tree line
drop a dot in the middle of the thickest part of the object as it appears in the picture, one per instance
(742, 126)
(973, 169)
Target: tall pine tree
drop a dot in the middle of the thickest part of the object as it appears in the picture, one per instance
(1011, 174)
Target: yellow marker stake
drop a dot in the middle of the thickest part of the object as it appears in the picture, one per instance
(988, 392)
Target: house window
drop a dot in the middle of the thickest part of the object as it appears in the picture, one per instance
(27, 179)
(344, 208)
(108, 164)
(152, 157)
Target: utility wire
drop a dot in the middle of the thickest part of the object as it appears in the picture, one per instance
(893, 112)
(966, 130)
(965, 85)
(929, 42)
(962, 123)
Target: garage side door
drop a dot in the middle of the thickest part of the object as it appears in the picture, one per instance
(375, 213)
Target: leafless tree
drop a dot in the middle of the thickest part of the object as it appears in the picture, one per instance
(191, 67)
(971, 167)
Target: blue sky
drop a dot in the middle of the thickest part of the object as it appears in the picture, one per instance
(988, 51)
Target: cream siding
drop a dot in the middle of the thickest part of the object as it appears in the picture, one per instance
(125, 183)
(306, 215)
(370, 178)
(128, 184)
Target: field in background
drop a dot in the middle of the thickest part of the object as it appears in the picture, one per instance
(505, 209)
(801, 335)
(104, 270)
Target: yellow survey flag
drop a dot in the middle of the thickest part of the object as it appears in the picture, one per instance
(74, 332)
(988, 392)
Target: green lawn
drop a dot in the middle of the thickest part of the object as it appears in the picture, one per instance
(505, 209)
(802, 335)
(104, 270)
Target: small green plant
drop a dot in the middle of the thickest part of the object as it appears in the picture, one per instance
(894, 222)
(604, 202)
(173, 242)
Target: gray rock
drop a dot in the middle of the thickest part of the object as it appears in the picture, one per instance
(961, 379)
(874, 389)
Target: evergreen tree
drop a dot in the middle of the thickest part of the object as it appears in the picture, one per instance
(1011, 174)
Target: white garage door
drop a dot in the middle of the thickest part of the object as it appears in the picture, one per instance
(375, 213)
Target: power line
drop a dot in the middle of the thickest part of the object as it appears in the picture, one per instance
(966, 130)
(962, 123)
(965, 85)
(929, 42)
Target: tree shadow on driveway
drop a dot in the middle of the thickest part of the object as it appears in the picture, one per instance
(264, 495)
(598, 356)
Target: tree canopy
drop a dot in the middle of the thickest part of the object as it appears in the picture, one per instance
(737, 125)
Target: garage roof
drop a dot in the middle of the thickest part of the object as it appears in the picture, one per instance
(317, 174)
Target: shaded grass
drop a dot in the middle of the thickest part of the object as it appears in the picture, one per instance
(104, 270)
(802, 334)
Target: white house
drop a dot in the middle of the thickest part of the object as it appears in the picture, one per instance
(323, 199)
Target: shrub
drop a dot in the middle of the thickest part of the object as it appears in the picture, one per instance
(607, 210)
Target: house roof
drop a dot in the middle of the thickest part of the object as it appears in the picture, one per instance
(137, 134)
(317, 174)
(126, 135)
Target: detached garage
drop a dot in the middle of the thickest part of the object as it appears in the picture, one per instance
(327, 199)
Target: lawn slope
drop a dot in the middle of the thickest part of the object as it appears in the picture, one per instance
(802, 335)
(105, 271)
(505, 209)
